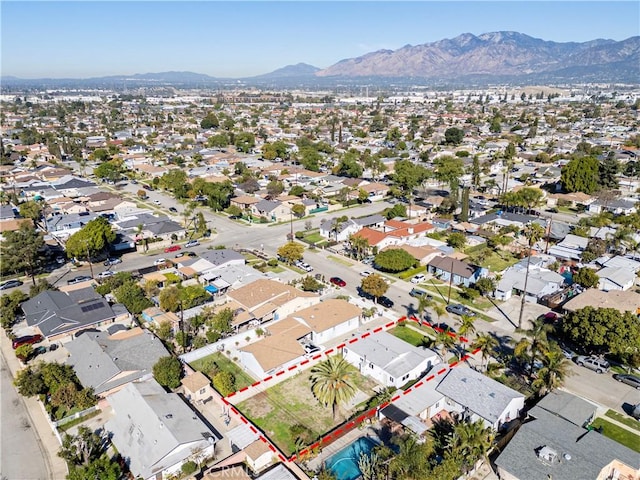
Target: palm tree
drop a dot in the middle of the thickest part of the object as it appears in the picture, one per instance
(445, 341)
(487, 344)
(533, 232)
(470, 441)
(412, 460)
(359, 245)
(331, 382)
(465, 329)
(553, 372)
(535, 342)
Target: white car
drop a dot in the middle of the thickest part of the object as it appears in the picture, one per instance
(160, 261)
(157, 202)
(418, 278)
(366, 273)
(106, 274)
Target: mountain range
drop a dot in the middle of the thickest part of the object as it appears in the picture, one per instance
(465, 59)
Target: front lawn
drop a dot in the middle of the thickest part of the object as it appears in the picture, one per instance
(217, 362)
(409, 335)
(495, 261)
(292, 404)
(628, 421)
(618, 434)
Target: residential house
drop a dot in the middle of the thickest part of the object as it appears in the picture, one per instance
(463, 273)
(570, 248)
(623, 301)
(272, 210)
(506, 219)
(158, 316)
(540, 282)
(459, 392)
(617, 207)
(57, 314)
(389, 360)
(613, 278)
(265, 300)
(107, 363)
(244, 202)
(157, 432)
(197, 387)
(329, 319)
(331, 229)
(548, 446)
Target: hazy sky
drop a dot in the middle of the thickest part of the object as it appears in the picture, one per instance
(234, 39)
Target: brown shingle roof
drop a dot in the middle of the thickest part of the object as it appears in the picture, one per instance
(195, 381)
(261, 291)
(281, 346)
(327, 314)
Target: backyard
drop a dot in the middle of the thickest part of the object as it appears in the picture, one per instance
(291, 406)
(217, 362)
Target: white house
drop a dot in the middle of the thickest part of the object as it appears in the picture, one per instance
(462, 392)
(329, 319)
(156, 431)
(389, 360)
(612, 278)
(541, 282)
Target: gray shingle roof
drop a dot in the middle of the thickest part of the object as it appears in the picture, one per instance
(220, 257)
(481, 394)
(394, 356)
(589, 452)
(56, 312)
(98, 359)
(571, 408)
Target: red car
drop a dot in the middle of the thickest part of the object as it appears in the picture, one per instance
(338, 281)
(172, 248)
(28, 340)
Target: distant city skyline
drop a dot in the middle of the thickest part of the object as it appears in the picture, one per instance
(242, 39)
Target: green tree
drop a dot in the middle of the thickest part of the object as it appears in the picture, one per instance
(110, 171)
(167, 371)
(607, 173)
(453, 136)
(533, 344)
(394, 260)
(224, 382)
(603, 330)
(533, 232)
(24, 352)
(298, 210)
(31, 209)
(586, 277)
(210, 121)
(412, 461)
(82, 448)
(485, 286)
(175, 180)
(290, 252)
(92, 239)
(245, 141)
(457, 240)
(170, 298)
(332, 382)
(103, 468)
(374, 285)
(132, 296)
(310, 284)
(581, 175)
(407, 175)
(22, 250)
(554, 370)
(29, 382)
(275, 188)
(475, 172)
(359, 246)
(449, 170)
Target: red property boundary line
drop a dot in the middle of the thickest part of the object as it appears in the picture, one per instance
(341, 430)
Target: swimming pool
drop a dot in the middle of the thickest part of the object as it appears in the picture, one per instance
(344, 464)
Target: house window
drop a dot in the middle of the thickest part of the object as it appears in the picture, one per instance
(202, 390)
(370, 365)
(391, 380)
(405, 377)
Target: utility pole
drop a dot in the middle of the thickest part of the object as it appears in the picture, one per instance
(450, 282)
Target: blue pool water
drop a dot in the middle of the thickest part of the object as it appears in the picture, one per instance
(344, 464)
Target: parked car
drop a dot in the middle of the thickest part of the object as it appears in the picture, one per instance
(80, 279)
(106, 274)
(635, 413)
(173, 209)
(10, 284)
(160, 261)
(418, 293)
(385, 301)
(310, 349)
(366, 273)
(192, 243)
(368, 260)
(147, 187)
(444, 327)
(632, 380)
(190, 254)
(459, 309)
(112, 261)
(338, 281)
(60, 260)
(418, 278)
(26, 340)
(172, 248)
(593, 362)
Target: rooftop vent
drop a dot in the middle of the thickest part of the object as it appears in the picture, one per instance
(548, 455)
(168, 415)
(566, 456)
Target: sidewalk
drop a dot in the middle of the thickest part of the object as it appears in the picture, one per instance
(56, 466)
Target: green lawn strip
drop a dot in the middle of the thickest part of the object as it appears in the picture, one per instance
(225, 365)
(313, 238)
(78, 421)
(629, 422)
(409, 335)
(443, 291)
(618, 434)
(340, 260)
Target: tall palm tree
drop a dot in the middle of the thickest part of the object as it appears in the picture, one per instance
(487, 344)
(553, 372)
(359, 245)
(535, 342)
(466, 329)
(470, 441)
(332, 382)
(445, 341)
(412, 460)
(533, 232)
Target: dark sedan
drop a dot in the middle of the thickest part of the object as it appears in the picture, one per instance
(632, 380)
(385, 302)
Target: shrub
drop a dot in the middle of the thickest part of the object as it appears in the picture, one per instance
(189, 467)
(299, 235)
(273, 262)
